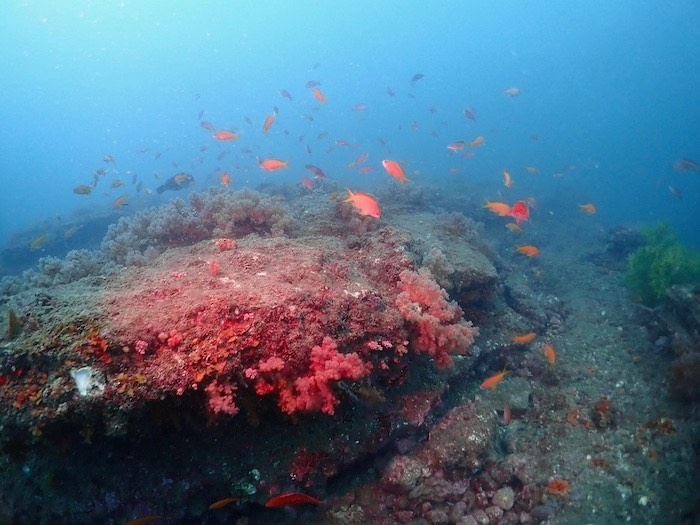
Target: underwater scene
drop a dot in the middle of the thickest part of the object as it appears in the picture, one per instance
(349, 263)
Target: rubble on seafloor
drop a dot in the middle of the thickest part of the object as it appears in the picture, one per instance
(233, 348)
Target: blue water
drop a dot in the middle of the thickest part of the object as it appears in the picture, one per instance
(609, 88)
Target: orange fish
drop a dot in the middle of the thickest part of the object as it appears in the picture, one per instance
(291, 499)
(82, 189)
(120, 201)
(520, 212)
(588, 208)
(492, 382)
(225, 178)
(318, 95)
(499, 208)
(272, 164)
(364, 203)
(528, 249)
(514, 228)
(550, 354)
(512, 92)
(225, 135)
(269, 120)
(145, 520)
(478, 141)
(524, 339)
(507, 181)
(222, 503)
(394, 169)
(307, 183)
(457, 145)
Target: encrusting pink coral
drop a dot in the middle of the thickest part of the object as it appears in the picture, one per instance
(313, 391)
(439, 328)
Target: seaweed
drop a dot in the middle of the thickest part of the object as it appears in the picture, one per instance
(659, 264)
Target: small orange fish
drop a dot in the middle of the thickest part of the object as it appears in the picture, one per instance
(478, 141)
(550, 354)
(588, 208)
(222, 503)
(493, 381)
(307, 183)
(512, 92)
(272, 164)
(38, 242)
(225, 135)
(82, 189)
(364, 203)
(514, 228)
(499, 208)
(225, 178)
(524, 339)
(291, 499)
(528, 249)
(120, 201)
(318, 95)
(395, 170)
(145, 520)
(269, 120)
(457, 145)
(507, 180)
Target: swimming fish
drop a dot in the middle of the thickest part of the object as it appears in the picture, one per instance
(588, 208)
(272, 164)
(176, 182)
(478, 141)
(528, 250)
(120, 201)
(507, 180)
(207, 125)
(499, 208)
(493, 381)
(225, 178)
(520, 212)
(417, 77)
(524, 339)
(457, 145)
(269, 120)
(225, 135)
(394, 169)
(284, 93)
(470, 113)
(316, 171)
(220, 504)
(318, 95)
(686, 165)
(82, 189)
(550, 354)
(146, 520)
(512, 92)
(291, 499)
(38, 242)
(364, 203)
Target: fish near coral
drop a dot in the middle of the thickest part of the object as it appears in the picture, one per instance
(520, 212)
(528, 250)
(291, 499)
(395, 170)
(176, 182)
(492, 382)
(364, 203)
(550, 354)
(499, 208)
(272, 164)
(524, 339)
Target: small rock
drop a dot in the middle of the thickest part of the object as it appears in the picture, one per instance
(504, 498)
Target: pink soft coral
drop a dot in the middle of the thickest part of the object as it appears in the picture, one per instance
(313, 391)
(439, 328)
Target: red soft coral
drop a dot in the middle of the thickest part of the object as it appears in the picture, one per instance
(439, 327)
(313, 391)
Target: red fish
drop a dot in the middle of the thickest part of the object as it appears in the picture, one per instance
(394, 169)
(316, 171)
(269, 120)
(225, 135)
(272, 164)
(307, 183)
(318, 95)
(457, 145)
(225, 178)
(364, 203)
(291, 499)
(520, 212)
